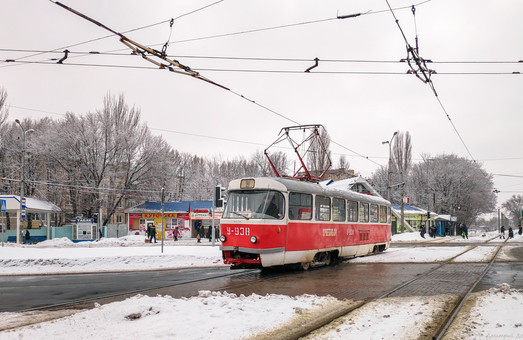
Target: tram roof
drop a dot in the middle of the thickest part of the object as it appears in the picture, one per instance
(288, 184)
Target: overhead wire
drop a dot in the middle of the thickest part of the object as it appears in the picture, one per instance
(124, 32)
(207, 37)
(236, 58)
(46, 62)
(426, 73)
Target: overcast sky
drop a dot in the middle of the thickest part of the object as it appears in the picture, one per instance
(361, 104)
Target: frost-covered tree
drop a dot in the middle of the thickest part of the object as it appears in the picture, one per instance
(513, 207)
(107, 155)
(448, 184)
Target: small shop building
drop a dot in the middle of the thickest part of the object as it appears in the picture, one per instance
(183, 219)
(40, 216)
(414, 218)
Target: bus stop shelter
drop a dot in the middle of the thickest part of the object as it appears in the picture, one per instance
(40, 211)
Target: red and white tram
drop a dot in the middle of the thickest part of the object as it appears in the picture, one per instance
(280, 221)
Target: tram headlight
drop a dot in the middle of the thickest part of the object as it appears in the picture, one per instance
(222, 238)
(254, 239)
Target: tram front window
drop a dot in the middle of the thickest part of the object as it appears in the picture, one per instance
(258, 204)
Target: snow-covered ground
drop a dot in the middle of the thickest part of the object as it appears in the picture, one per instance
(220, 315)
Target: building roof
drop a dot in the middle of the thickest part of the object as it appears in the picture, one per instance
(32, 204)
(349, 183)
(182, 206)
(410, 209)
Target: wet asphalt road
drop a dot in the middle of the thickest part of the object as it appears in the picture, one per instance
(344, 281)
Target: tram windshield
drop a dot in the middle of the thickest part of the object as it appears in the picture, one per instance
(258, 204)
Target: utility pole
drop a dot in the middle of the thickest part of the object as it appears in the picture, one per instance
(163, 216)
(22, 184)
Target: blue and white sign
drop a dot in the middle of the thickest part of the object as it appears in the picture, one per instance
(23, 207)
(3, 206)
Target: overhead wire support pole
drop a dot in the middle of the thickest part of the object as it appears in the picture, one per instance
(144, 50)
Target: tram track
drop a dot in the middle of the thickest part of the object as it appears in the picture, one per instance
(317, 319)
(440, 325)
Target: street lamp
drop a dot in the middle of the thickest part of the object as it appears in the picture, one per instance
(22, 183)
(390, 163)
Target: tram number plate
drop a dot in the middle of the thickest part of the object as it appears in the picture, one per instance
(239, 231)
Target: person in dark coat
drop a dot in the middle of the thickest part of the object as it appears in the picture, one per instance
(153, 233)
(269, 207)
(433, 229)
(465, 231)
(197, 227)
(27, 237)
(422, 231)
(520, 230)
(510, 233)
(502, 232)
(209, 233)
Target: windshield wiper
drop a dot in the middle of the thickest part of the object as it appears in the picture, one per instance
(235, 213)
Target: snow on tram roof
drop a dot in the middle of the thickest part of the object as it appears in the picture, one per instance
(289, 184)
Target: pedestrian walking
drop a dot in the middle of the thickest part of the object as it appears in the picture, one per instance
(27, 237)
(510, 233)
(422, 231)
(153, 234)
(433, 229)
(197, 227)
(465, 231)
(175, 233)
(209, 233)
(520, 230)
(502, 232)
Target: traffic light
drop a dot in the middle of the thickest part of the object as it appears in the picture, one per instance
(428, 215)
(219, 196)
(95, 218)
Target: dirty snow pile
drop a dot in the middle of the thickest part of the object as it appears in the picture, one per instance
(211, 315)
(219, 315)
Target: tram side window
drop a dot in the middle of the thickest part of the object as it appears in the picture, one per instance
(300, 206)
(352, 211)
(383, 214)
(323, 208)
(364, 212)
(374, 213)
(338, 209)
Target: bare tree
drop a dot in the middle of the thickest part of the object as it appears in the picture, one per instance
(319, 156)
(401, 160)
(343, 163)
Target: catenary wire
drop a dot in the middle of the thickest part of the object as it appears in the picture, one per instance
(264, 71)
(207, 37)
(125, 32)
(428, 80)
(236, 58)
